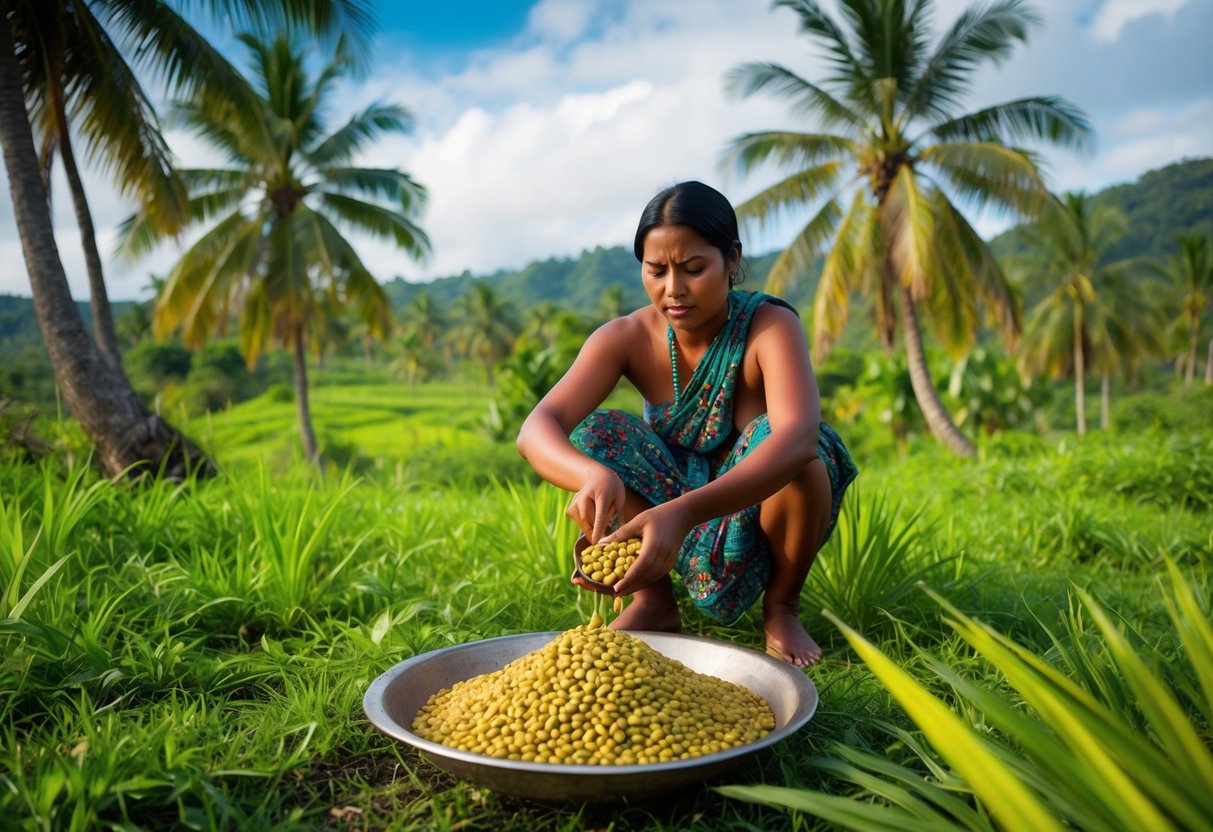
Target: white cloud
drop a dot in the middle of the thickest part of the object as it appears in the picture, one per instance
(560, 20)
(553, 143)
(1156, 137)
(1114, 15)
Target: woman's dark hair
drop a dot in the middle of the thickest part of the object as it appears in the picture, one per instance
(697, 206)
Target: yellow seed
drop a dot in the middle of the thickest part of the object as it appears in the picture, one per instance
(602, 560)
(629, 705)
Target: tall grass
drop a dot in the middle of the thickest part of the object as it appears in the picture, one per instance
(869, 571)
(193, 655)
(1113, 747)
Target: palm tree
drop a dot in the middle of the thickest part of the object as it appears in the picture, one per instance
(274, 255)
(887, 184)
(611, 302)
(1191, 274)
(82, 83)
(486, 326)
(424, 317)
(1093, 314)
(543, 322)
(70, 63)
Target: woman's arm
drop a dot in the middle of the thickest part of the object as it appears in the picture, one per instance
(793, 407)
(543, 439)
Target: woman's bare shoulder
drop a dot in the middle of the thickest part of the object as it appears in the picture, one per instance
(776, 317)
(626, 329)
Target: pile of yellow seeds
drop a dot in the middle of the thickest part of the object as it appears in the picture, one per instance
(594, 696)
(608, 563)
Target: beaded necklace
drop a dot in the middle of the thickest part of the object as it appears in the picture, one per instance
(673, 363)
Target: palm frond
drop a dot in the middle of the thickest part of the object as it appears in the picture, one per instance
(137, 236)
(970, 267)
(888, 46)
(195, 293)
(802, 188)
(377, 221)
(344, 143)
(164, 44)
(908, 220)
(819, 25)
(345, 24)
(1047, 117)
(242, 135)
(109, 110)
(848, 265)
(979, 34)
(285, 282)
(1047, 345)
(346, 270)
(783, 148)
(984, 173)
(808, 99)
(798, 256)
(389, 184)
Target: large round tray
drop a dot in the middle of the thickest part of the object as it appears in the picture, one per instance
(392, 701)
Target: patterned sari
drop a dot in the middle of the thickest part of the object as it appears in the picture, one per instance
(690, 441)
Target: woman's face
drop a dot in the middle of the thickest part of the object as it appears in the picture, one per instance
(687, 277)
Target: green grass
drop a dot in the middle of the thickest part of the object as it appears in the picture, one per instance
(194, 655)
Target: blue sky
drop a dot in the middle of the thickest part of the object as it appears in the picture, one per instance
(543, 127)
(454, 27)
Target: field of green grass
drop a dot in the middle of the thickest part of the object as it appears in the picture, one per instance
(1016, 642)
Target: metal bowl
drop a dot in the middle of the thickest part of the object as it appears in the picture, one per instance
(393, 700)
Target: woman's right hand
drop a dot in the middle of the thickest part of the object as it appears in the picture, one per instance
(598, 501)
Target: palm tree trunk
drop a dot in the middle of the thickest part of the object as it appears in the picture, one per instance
(1193, 344)
(101, 399)
(1105, 401)
(103, 317)
(301, 400)
(938, 419)
(1080, 380)
(1209, 366)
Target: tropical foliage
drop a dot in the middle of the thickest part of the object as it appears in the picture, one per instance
(485, 328)
(896, 162)
(1190, 271)
(274, 255)
(205, 666)
(59, 58)
(1093, 314)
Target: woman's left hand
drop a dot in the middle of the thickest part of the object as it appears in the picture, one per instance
(661, 530)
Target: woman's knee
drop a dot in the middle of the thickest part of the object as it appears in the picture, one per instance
(802, 507)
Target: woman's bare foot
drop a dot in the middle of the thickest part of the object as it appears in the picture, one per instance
(786, 637)
(651, 608)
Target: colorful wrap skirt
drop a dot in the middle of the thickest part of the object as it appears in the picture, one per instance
(723, 563)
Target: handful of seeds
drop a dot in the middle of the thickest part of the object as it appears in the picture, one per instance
(606, 564)
(594, 696)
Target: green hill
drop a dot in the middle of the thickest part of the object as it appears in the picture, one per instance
(1159, 206)
(1162, 203)
(575, 283)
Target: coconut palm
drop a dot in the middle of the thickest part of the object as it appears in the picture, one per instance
(71, 66)
(424, 317)
(486, 326)
(1092, 314)
(1190, 271)
(894, 163)
(82, 82)
(611, 302)
(273, 254)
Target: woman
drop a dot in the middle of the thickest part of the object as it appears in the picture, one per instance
(731, 480)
